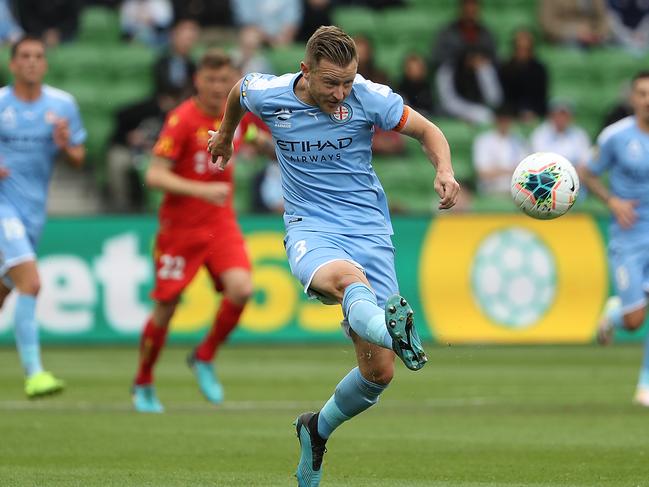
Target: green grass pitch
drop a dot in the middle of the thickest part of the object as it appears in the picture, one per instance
(473, 417)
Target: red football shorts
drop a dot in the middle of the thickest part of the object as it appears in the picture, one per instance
(178, 257)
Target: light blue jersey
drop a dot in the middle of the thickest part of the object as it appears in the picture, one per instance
(28, 151)
(328, 181)
(623, 151)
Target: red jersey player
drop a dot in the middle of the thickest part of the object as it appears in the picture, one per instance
(197, 227)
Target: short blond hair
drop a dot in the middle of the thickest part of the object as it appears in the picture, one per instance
(332, 44)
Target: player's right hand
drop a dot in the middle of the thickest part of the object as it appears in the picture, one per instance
(216, 193)
(4, 172)
(220, 147)
(623, 211)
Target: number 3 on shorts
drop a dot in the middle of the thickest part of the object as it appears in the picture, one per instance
(300, 248)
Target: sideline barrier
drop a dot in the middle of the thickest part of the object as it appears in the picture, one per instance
(485, 278)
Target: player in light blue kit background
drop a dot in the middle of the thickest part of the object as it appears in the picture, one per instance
(37, 124)
(623, 151)
(336, 214)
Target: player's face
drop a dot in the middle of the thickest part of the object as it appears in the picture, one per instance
(213, 86)
(328, 84)
(640, 99)
(29, 64)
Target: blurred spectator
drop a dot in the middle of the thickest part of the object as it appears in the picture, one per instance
(316, 13)
(267, 196)
(469, 88)
(207, 13)
(559, 134)
(366, 62)
(136, 131)
(524, 79)
(54, 21)
(621, 109)
(580, 23)
(146, 21)
(497, 152)
(174, 70)
(247, 57)
(629, 22)
(463, 33)
(10, 31)
(415, 85)
(276, 20)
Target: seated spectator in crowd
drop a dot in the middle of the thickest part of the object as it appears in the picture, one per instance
(497, 152)
(54, 21)
(146, 21)
(576, 23)
(415, 85)
(469, 88)
(316, 13)
(276, 20)
(559, 134)
(366, 63)
(208, 13)
(174, 70)
(247, 56)
(629, 22)
(524, 79)
(621, 109)
(466, 32)
(10, 31)
(136, 131)
(267, 195)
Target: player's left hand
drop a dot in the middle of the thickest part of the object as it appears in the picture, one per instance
(220, 148)
(447, 188)
(61, 133)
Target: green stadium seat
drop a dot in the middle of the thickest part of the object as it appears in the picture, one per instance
(356, 20)
(410, 28)
(100, 128)
(286, 59)
(99, 25)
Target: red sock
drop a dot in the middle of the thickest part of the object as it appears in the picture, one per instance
(226, 319)
(152, 341)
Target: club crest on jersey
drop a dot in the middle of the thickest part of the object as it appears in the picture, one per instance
(8, 117)
(343, 114)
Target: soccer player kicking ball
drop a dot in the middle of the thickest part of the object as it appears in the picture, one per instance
(38, 123)
(337, 223)
(197, 227)
(623, 151)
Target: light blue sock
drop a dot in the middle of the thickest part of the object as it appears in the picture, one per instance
(364, 315)
(354, 394)
(26, 331)
(643, 380)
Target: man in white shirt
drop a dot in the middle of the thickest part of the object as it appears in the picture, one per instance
(559, 134)
(496, 153)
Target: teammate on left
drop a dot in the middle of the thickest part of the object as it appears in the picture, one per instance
(38, 124)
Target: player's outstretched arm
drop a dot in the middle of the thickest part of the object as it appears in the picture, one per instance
(160, 176)
(438, 151)
(220, 143)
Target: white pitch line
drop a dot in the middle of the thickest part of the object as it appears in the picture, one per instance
(54, 404)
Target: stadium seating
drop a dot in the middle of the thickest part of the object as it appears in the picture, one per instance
(104, 74)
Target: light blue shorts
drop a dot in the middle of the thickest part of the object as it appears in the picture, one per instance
(15, 245)
(630, 268)
(308, 251)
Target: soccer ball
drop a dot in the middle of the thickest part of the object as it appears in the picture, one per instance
(545, 185)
